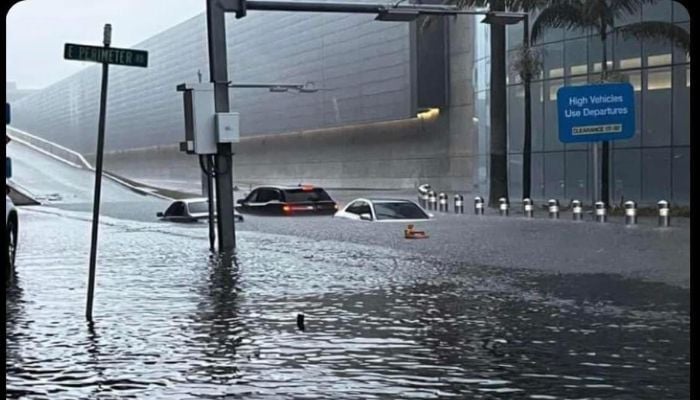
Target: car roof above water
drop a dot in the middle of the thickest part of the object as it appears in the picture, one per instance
(382, 200)
(194, 200)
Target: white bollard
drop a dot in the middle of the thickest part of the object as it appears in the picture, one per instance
(630, 213)
(553, 208)
(577, 210)
(664, 211)
(479, 205)
(528, 208)
(503, 206)
(601, 214)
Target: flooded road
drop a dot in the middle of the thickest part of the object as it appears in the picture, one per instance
(379, 323)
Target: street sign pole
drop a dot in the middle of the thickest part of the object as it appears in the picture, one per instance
(223, 160)
(98, 176)
(104, 55)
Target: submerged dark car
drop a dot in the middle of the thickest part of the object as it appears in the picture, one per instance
(190, 210)
(288, 200)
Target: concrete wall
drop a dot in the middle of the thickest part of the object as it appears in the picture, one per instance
(386, 155)
(397, 154)
(363, 67)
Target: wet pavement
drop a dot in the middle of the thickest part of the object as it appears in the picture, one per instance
(487, 307)
(171, 323)
(562, 246)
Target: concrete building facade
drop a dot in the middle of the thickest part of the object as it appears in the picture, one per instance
(362, 129)
(653, 165)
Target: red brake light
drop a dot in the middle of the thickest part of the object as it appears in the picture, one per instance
(307, 188)
(286, 208)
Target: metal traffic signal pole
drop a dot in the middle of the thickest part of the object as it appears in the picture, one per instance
(98, 176)
(216, 35)
(223, 160)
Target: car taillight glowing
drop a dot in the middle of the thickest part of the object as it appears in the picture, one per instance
(286, 208)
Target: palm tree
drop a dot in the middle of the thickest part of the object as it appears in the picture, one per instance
(528, 65)
(600, 15)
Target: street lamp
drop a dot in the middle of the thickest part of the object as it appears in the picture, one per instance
(503, 17)
(218, 71)
(511, 18)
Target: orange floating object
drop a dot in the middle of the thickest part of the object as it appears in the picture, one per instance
(410, 233)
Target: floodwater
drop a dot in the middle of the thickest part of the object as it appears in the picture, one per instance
(173, 323)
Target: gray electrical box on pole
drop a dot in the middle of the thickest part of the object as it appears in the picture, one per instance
(205, 129)
(201, 120)
(227, 127)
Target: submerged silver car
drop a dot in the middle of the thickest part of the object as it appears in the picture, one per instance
(383, 210)
(191, 210)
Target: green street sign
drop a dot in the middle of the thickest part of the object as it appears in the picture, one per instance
(110, 55)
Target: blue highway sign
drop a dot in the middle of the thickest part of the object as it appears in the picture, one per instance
(594, 113)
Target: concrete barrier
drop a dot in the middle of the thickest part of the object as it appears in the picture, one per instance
(49, 148)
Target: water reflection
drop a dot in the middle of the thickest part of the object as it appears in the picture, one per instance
(217, 323)
(14, 315)
(93, 362)
(172, 323)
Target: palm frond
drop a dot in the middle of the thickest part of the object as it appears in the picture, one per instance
(466, 3)
(566, 15)
(526, 5)
(526, 63)
(657, 30)
(629, 6)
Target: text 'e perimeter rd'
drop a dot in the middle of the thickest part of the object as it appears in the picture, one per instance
(110, 55)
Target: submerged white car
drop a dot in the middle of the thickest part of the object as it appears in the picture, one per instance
(383, 210)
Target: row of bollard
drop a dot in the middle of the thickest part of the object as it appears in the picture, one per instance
(601, 214)
(439, 202)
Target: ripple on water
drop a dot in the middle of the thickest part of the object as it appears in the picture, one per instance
(379, 323)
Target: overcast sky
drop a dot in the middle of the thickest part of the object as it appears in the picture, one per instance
(38, 29)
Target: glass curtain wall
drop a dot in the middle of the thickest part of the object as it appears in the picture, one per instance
(653, 165)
